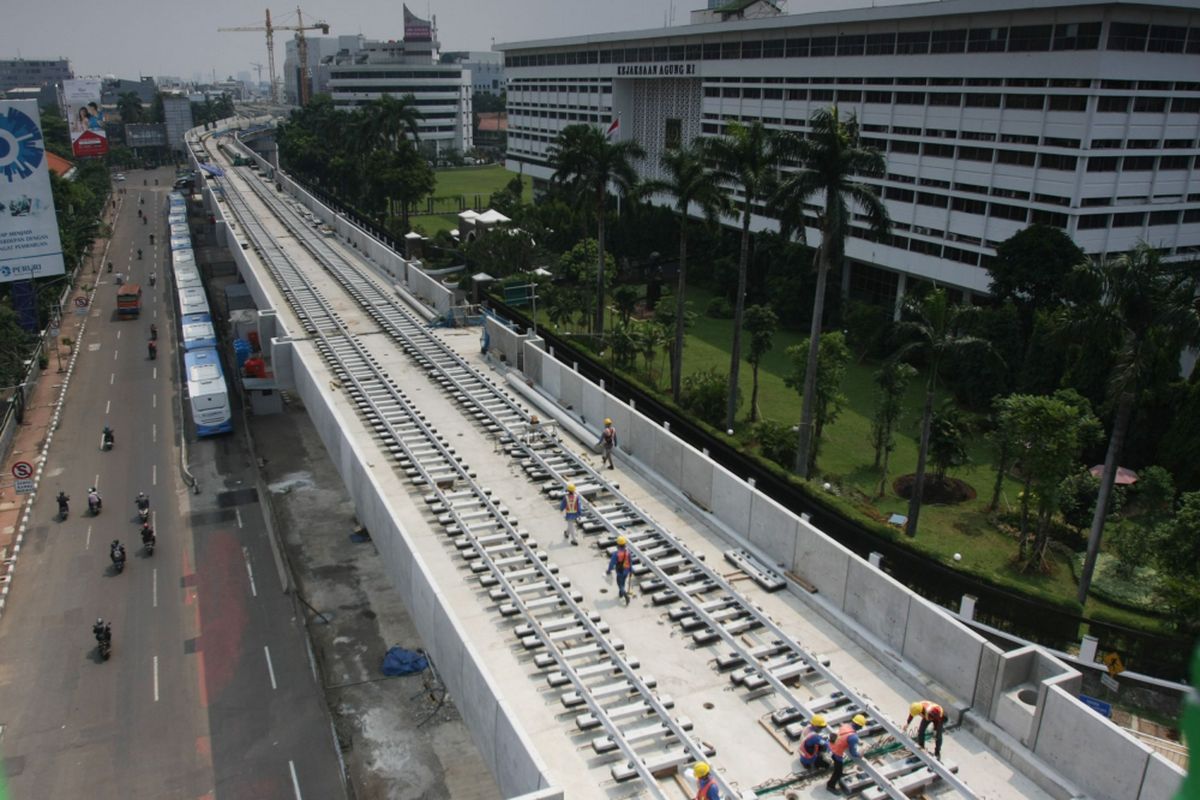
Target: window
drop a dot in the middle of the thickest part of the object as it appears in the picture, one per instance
(879, 97)
(772, 48)
(1017, 157)
(1102, 164)
(983, 154)
(1191, 215)
(970, 187)
(912, 42)
(1016, 213)
(903, 130)
(752, 49)
(1164, 217)
(935, 200)
(1176, 144)
(1193, 45)
(1130, 219)
(1106, 144)
(1055, 219)
(773, 94)
(1173, 162)
(712, 91)
(1185, 105)
(1077, 36)
(729, 91)
(1056, 141)
(987, 40)
(1014, 194)
(1018, 138)
(693, 52)
(881, 44)
(938, 150)
(795, 94)
(1150, 104)
(1060, 102)
(953, 99)
(851, 44)
(1138, 163)
(934, 182)
(1029, 38)
(900, 146)
(752, 94)
(897, 194)
(1093, 221)
(910, 98)
(673, 133)
(1052, 199)
(1117, 105)
(821, 95)
(823, 46)
(948, 41)
(1064, 163)
(1166, 39)
(712, 51)
(957, 254)
(849, 96)
(977, 136)
(1092, 202)
(731, 50)
(968, 205)
(977, 100)
(796, 48)
(1034, 102)
(1127, 36)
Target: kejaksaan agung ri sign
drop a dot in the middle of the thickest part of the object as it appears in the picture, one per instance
(29, 243)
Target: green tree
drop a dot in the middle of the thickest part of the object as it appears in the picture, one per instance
(932, 327)
(892, 382)
(828, 400)
(129, 106)
(1178, 553)
(831, 160)
(745, 159)
(1150, 308)
(587, 163)
(626, 298)
(947, 440)
(776, 441)
(704, 395)
(691, 183)
(1154, 491)
(761, 323)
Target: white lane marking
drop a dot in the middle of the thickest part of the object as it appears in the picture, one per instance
(238, 513)
(154, 587)
(112, 377)
(156, 313)
(156, 679)
(107, 406)
(154, 401)
(154, 475)
(295, 780)
(270, 668)
(96, 481)
(115, 352)
(154, 431)
(249, 571)
(156, 373)
(87, 545)
(118, 334)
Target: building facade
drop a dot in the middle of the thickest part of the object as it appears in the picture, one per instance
(487, 69)
(993, 115)
(177, 116)
(21, 72)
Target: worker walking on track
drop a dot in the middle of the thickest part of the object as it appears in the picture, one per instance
(570, 507)
(929, 713)
(706, 785)
(608, 440)
(622, 562)
(843, 748)
(814, 743)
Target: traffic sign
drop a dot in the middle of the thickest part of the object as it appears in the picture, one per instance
(1110, 683)
(81, 302)
(23, 486)
(21, 470)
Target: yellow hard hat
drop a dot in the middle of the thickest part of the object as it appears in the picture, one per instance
(570, 487)
(818, 721)
(700, 770)
(916, 708)
(607, 421)
(621, 541)
(859, 720)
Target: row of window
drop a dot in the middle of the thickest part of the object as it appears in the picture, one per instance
(415, 100)
(426, 74)
(568, 84)
(1026, 102)
(1016, 39)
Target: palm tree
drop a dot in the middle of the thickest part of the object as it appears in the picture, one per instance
(747, 158)
(932, 327)
(690, 182)
(129, 105)
(586, 162)
(389, 121)
(830, 161)
(1150, 309)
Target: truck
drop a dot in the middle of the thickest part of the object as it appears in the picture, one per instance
(129, 301)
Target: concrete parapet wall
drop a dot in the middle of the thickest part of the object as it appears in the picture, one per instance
(957, 667)
(508, 751)
(503, 341)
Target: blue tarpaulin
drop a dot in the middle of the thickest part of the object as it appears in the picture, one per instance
(399, 661)
(213, 169)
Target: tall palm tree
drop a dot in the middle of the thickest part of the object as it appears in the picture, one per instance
(747, 158)
(1150, 309)
(932, 329)
(830, 161)
(130, 107)
(690, 182)
(388, 121)
(586, 162)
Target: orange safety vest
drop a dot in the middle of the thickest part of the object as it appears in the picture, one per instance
(623, 560)
(703, 786)
(841, 744)
(572, 503)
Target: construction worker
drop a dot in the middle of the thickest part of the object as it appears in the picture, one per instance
(570, 505)
(706, 785)
(929, 713)
(608, 439)
(622, 562)
(814, 743)
(843, 748)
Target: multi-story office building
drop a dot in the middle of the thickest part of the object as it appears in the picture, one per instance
(23, 72)
(441, 92)
(177, 115)
(993, 115)
(322, 50)
(487, 69)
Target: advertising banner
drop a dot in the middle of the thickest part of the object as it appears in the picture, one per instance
(29, 243)
(415, 28)
(81, 99)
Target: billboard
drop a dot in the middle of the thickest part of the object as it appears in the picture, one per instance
(416, 29)
(29, 243)
(81, 101)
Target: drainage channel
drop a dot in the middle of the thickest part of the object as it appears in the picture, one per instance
(762, 658)
(587, 668)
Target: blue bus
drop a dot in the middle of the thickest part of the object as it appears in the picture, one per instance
(208, 396)
(197, 332)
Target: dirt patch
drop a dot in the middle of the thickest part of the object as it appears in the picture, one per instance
(948, 491)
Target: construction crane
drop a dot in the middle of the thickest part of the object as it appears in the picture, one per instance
(301, 49)
(257, 68)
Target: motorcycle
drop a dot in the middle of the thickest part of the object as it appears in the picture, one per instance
(139, 254)
(143, 508)
(106, 439)
(63, 506)
(145, 220)
(95, 504)
(148, 539)
(116, 554)
(110, 266)
(153, 348)
(103, 632)
(152, 238)
(153, 332)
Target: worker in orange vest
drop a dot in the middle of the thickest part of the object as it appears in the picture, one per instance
(570, 507)
(621, 561)
(706, 785)
(813, 742)
(929, 713)
(843, 748)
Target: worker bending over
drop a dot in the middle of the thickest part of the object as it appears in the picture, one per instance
(929, 713)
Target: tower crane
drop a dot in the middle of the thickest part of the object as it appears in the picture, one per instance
(257, 68)
(301, 49)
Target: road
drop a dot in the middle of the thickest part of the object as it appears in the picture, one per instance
(210, 690)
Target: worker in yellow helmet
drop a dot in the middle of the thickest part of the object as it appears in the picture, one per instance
(843, 748)
(622, 561)
(570, 508)
(929, 713)
(608, 440)
(706, 785)
(814, 743)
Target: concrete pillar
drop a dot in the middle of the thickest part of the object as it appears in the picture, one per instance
(602, 384)
(750, 482)
(901, 286)
(875, 560)
(966, 609)
(575, 366)
(1087, 649)
(804, 515)
(666, 426)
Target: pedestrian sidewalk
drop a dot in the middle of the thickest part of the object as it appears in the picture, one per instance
(34, 434)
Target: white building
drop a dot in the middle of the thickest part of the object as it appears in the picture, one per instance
(993, 114)
(487, 69)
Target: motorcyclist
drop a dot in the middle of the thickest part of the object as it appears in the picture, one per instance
(139, 213)
(139, 254)
(141, 201)
(102, 631)
(143, 504)
(152, 346)
(153, 278)
(116, 551)
(148, 537)
(152, 238)
(153, 331)
(63, 502)
(110, 266)
(94, 500)
(108, 436)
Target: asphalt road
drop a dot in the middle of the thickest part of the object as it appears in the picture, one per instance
(209, 691)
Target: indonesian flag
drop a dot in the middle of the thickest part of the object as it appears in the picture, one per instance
(613, 128)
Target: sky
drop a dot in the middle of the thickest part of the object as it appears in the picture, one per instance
(128, 38)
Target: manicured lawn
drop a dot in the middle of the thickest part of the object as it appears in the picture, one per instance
(467, 182)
